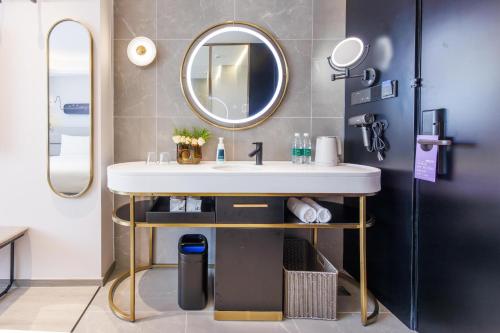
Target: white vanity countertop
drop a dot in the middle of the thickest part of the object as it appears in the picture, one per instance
(243, 178)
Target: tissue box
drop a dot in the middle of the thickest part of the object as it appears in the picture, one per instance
(193, 204)
(177, 204)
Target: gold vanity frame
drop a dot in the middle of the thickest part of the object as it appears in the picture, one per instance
(91, 109)
(279, 50)
(361, 225)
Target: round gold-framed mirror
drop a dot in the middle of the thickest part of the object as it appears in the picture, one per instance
(234, 75)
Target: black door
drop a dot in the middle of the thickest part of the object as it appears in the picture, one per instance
(459, 215)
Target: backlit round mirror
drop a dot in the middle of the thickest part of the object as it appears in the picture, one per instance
(348, 52)
(234, 75)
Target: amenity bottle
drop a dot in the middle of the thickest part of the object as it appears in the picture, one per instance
(307, 149)
(221, 152)
(297, 149)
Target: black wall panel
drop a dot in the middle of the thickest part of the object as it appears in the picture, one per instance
(389, 27)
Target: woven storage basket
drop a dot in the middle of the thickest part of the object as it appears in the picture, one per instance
(310, 282)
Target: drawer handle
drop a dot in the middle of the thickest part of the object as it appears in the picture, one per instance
(250, 205)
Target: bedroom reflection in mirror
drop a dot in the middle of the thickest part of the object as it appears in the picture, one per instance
(69, 52)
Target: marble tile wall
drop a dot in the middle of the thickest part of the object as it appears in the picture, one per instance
(149, 101)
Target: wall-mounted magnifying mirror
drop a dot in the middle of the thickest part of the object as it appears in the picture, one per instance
(234, 75)
(348, 55)
(69, 79)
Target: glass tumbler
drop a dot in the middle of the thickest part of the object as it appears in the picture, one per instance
(164, 157)
(151, 158)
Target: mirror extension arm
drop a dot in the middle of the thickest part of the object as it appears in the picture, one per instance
(368, 76)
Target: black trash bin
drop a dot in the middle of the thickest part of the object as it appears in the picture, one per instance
(193, 272)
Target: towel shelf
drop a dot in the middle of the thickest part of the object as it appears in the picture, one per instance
(344, 217)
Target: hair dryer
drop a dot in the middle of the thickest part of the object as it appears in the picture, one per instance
(365, 122)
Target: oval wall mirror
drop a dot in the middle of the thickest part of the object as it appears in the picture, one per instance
(69, 80)
(234, 75)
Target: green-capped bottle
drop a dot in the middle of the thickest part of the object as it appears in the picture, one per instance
(307, 149)
(297, 149)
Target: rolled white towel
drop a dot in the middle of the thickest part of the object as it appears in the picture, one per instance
(323, 215)
(302, 210)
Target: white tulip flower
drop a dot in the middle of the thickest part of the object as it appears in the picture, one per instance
(177, 139)
(201, 141)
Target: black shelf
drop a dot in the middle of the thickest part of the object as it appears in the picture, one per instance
(343, 216)
(160, 212)
(340, 214)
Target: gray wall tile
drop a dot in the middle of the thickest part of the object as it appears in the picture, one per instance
(134, 18)
(297, 102)
(275, 133)
(327, 96)
(329, 19)
(134, 138)
(122, 247)
(330, 243)
(286, 19)
(135, 90)
(322, 48)
(171, 102)
(327, 126)
(187, 18)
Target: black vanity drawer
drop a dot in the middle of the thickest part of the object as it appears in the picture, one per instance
(250, 210)
(249, 270)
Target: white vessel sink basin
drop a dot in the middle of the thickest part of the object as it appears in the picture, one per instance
(242, 177)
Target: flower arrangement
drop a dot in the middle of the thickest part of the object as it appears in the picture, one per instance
(189, 143)
(195, 137)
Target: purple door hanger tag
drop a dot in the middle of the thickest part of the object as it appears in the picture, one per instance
(426, 160)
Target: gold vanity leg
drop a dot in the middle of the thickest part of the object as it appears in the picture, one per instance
(315, 238)
(132, 258)
(151, 245)
(362, 261)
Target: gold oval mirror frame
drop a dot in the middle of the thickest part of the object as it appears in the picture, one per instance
(69, 53)
(223, 52)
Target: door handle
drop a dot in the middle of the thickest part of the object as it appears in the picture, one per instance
(435, 142)
(250, 205)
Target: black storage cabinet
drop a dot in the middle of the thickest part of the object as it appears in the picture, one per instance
(193, 272)
(249, 262)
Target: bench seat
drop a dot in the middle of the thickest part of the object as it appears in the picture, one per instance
(10, 234)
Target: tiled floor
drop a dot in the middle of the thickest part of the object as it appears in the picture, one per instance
(53, 309)
(157, 311)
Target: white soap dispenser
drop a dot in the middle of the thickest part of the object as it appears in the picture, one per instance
(221, 151)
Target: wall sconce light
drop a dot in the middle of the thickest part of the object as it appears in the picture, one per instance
(141, 51)
(348, 55)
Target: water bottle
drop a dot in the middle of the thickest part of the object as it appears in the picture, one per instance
(297, 150)
(307, 149)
